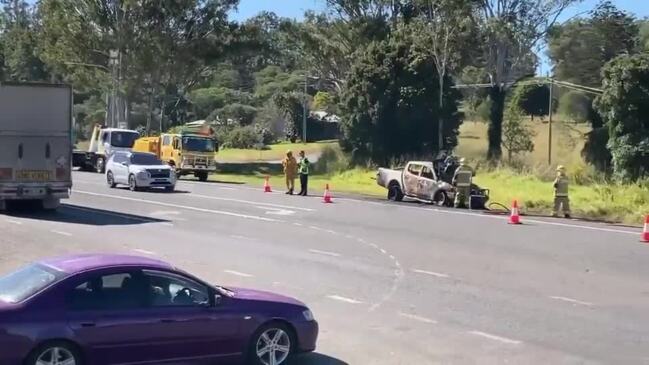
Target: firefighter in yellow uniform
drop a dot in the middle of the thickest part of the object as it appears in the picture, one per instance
(290, 171)
(462, 181)
(561, 200)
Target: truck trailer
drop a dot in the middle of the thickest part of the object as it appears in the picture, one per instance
(35, 143)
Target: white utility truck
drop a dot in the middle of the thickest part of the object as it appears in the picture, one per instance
(103, 142)
(35, 143)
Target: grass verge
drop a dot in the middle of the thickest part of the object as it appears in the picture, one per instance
(274, 153)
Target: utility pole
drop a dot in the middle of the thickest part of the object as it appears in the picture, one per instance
(550, 123)
(306, 90)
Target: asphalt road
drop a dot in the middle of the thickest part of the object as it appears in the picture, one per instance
(390, 283)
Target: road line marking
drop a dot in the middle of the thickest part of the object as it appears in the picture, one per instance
(12, 221)
(573, 301)
(417, 318)
(316, 228)
(146, 252)
(298, 224)
(495, 338)
(253, 202)
(431, 273)
(277, 211)
(168, 224)
(374, 245)
(238, 273)
(349, 236)
(392, 257)
(383, 251)
(239, 237)
(360, 240)
(344, 299)
(327, 253)
(153, 202)
(331, 231)
(61, 233)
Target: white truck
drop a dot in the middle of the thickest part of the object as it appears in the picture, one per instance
(419, 180)
(103, 142)
(35, 143)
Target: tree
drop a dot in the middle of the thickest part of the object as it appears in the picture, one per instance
(517, 137)
(532, 99)
(624, 106)
(510, 30)
(390, 106)
(442, 32)
(322, 101)
(577, 106)
(291, 105)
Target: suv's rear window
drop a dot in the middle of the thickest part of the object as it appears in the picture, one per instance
(27, 281)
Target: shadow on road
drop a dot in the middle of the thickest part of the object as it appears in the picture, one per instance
(315, 359)
(83, 215)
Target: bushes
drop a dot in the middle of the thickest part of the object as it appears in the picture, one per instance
(242, 137)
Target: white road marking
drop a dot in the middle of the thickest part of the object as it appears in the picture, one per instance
(495, 338)
(153, 202)
(239, 237)
(165, 212)
(62, 233)
(392, 257)
(417, 318)
(298, 224)
(383, 251)
(573, 301)
(327, 253)
(254, 202)
(344, 299)
(431, 273)
(277, 211)
(168, 224)
(349, 236)
(12, 221)
(146, 252)
(331, 231)
(316, 228)
(238, 273)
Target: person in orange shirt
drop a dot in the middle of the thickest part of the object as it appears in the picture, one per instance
(290, 171)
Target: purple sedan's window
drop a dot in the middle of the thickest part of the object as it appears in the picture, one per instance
(25, 282)
(167, 289)
(109, 292)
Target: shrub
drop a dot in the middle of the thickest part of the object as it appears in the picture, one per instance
(242, 137)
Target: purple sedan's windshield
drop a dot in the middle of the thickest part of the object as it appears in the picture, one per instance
(25, 282)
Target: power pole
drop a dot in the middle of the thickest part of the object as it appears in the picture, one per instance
(306, 90)
(550, 123)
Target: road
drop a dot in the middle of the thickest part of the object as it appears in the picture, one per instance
(390, 283)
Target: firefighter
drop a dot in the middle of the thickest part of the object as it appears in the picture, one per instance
(561, 200)
(290, 170)
(303, 170)
(462, 179)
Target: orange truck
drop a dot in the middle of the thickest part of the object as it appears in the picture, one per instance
(190, 152)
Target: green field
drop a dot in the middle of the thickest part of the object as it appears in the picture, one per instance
(275, 152)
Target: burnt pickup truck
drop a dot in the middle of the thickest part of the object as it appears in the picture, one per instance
(419, 181)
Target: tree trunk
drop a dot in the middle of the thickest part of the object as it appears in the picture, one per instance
(440, 126)
(495, 133)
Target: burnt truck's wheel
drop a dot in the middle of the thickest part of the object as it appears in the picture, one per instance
(394, 192)
(440, 199)
(54, 353)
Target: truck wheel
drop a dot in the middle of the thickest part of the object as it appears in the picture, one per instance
(50, 204)
(202, 176)
(395, 193)
(440, 199)
(100, 165)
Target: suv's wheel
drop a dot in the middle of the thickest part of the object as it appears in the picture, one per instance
(110, 179)
(54, 353)
(132, 183)
(202, 176)
(395, 193)
(100, 165)
(271, 344)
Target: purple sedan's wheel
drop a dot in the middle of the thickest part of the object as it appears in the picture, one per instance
(272, 345)
(54, 354)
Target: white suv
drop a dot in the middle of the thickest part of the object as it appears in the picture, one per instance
(139, 170)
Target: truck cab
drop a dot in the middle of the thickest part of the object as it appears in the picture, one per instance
(103, 142)
(189, 154)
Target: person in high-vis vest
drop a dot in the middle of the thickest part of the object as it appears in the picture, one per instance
(290, 170)
(561, 200)
(462, 179)
(303, 171)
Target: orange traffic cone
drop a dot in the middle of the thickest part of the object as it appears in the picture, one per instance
(514, 217)
(267, 188)
(645, 230)
(327, 195)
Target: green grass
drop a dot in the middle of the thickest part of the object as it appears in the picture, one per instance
(274, 153)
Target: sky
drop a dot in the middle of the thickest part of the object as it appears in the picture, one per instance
(295, 9)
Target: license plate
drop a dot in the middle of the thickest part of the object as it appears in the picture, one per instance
(33, 175)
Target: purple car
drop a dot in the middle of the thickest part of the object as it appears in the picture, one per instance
(115, 309)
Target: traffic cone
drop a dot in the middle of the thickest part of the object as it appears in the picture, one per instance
(645, 230)
(267, 188)
(327, 195)
(514, 217)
